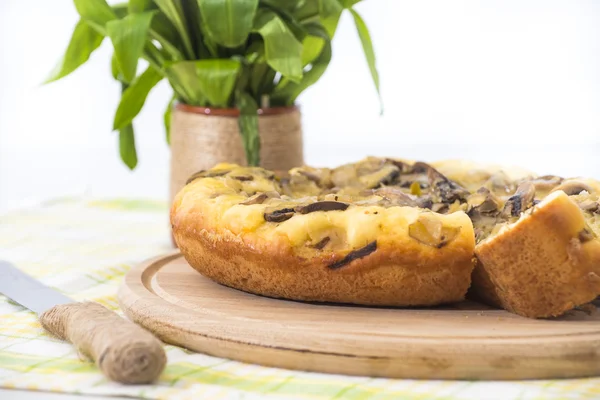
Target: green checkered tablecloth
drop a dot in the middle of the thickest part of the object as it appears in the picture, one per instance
(84, 247)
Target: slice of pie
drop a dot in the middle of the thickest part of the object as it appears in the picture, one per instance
(540, 258)
(395, 232)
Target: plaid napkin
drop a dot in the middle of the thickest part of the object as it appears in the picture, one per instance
(84, 247)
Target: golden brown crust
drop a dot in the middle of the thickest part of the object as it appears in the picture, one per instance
(387, 277)
(539, 266)
(482, 288)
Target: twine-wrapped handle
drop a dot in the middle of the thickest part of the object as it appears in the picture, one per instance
(123, 351)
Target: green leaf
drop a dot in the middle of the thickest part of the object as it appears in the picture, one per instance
(167, 118)
(311, 48)
(183, 79)
(325, 12)
(255, 52)
(161, 28)
(207, 47)
(267, 84)
(114, 68)
(217, 79)
(127, 140)
(96, 13)
(137, 6)
(84, 41)
(228, 22)
(282, 51)
(174, 11)
(349, 3)
(261, 75)
(258, 71)
(365, 39)
(134, 97)
(285, 5)
(120, 10)
(287, 15)
(288, 94)
(163, 34)
(163, 31)
(194, 25)
(128, 36)
(331, 22)
(243, 76)
(317, 30)
(310, 10)
(204, 82)
(127, 146)
(292, 24)
(327, 8)
(313, 43)
(248, 125)
(307, 11)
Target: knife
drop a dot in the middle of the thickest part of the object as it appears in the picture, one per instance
(122, 350)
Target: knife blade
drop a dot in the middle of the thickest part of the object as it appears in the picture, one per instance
(28, 292)
(122, 350)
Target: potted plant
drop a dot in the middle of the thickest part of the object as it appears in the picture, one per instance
(236, 68)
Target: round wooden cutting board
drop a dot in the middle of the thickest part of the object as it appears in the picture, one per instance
(466, 341)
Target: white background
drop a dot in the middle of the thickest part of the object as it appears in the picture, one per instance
(509, 81)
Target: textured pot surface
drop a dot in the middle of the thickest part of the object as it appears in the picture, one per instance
(201, 138)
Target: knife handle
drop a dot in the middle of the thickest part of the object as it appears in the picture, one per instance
(123, 351)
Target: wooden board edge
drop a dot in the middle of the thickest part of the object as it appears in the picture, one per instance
(134, 295)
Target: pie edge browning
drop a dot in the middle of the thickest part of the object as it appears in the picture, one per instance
(277, 273)
(539, 266)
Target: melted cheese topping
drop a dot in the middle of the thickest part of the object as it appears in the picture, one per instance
(223, 190)
(221, 199)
